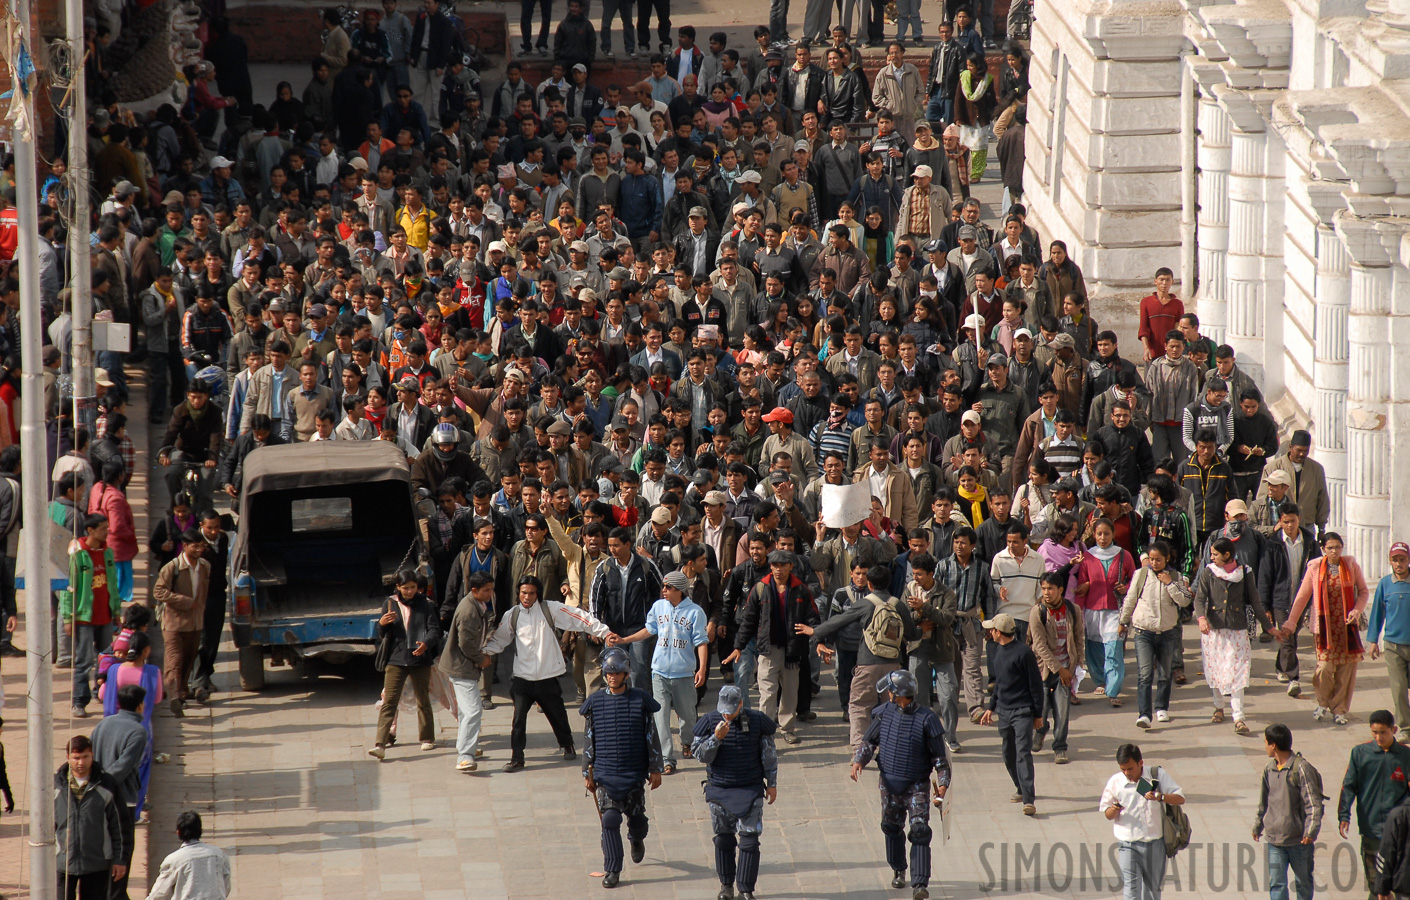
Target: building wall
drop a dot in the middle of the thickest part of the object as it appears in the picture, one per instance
(1302, 136)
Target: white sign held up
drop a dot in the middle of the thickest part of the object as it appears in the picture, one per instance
(845, 504)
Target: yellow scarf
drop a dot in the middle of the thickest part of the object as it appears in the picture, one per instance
(976, 503)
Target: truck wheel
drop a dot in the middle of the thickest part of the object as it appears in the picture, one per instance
(251, 669)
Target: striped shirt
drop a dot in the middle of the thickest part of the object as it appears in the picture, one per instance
(1019, 578)
(1065, 456)
(827, 440)
(971, 584)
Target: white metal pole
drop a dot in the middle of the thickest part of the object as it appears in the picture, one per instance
(81, 283)
(39, 633)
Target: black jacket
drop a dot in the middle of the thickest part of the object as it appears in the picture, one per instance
(232, 468)
(1018, 684)
(845, 101)
(423, 626)
(1129, 452)
(198, 439)
(946, 60)
(1276, 584)
(756, 618)
(1393, 859)
(445, 41)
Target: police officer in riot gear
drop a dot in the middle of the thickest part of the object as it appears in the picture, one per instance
(621, 754)
(908, 742)
(737, 747)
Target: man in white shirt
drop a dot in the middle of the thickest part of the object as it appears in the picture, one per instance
(538, 662)
(1133, 802)
(195, 869)
(1015, 572)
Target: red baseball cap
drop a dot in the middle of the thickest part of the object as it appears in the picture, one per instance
(780, 414)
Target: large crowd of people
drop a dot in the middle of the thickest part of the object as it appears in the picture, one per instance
(635, 342)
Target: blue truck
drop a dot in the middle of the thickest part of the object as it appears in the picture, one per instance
(324, 527)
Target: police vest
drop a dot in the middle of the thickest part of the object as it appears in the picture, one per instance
(903, 757)
(618, 722)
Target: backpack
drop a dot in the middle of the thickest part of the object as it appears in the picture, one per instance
(1174, 823)
(547, 614)
(885, 633)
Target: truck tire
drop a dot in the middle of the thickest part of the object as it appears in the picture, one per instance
(251, 669)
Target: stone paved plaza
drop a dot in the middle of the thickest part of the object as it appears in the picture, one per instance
(307, 814)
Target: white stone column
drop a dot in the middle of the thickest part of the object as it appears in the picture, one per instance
(1368, 443)
(1330, 366)
(1244, 303)
(1214, 162)
(1396, 237)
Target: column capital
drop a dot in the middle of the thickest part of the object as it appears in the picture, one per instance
(1362, 240)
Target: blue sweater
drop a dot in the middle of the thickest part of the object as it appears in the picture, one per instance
(1390, 608)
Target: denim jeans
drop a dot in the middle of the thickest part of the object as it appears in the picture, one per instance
(613, 9)
(744, 669)
(944, 697)
(1154, 651)
(468, 711)
(87, 641)
(1106, 663)
(940, 110)
(1142, 869)
(677, 694)
(1299, 857)
(908, 15)
(778, 19)
(1016, 731)
(1057, 706)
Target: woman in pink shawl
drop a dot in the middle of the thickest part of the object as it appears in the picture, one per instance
(1337, 591)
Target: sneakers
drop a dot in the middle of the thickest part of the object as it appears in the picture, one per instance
(78, 712)
(1038, 739)
(514, 765)
(1142, 722)
(609, 56)
(377, 752)
(791, 737)
(1015, 797)
(955, 748)
(178, 708)
(1060, 757)
(1320, 713)
(1294, 689)
(570, 753)
(1030, 810)
(1162, 716)
(428, 745)
(632, 53)
(1340, 719)
(466, 765)
(1283, 679)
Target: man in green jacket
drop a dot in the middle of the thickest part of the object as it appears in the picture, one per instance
(1376, 782)
(89, 608)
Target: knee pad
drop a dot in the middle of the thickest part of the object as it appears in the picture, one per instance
(920, 833)
(891, 827)
(612, 819)
(748, 842)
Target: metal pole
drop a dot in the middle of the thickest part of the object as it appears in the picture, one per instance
(39, 632)
(85, 404)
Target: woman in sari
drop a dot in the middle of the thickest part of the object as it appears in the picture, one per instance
(135, 669)
(1336, 588)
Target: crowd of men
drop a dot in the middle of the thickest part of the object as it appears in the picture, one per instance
(634, 341)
